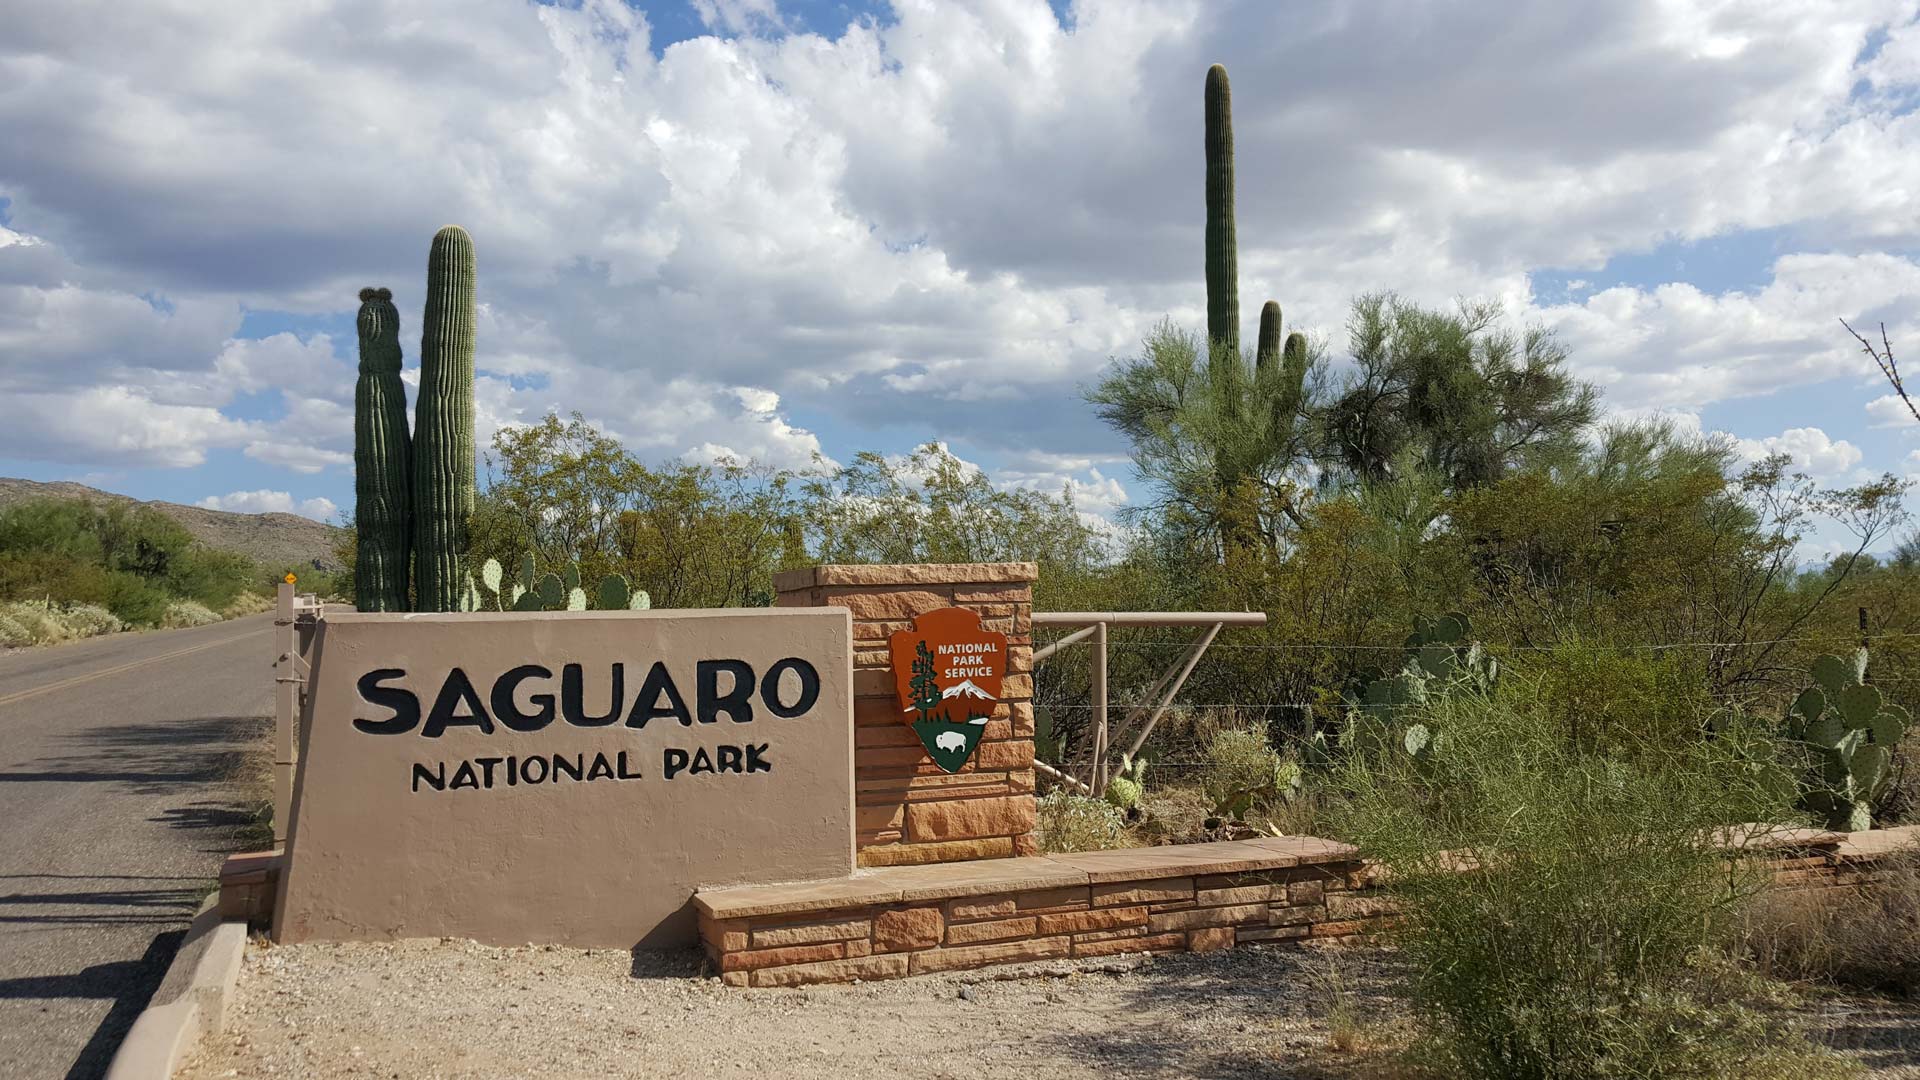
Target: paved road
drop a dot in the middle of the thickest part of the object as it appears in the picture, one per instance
(117, 804)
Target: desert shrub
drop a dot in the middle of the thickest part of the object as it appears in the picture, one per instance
(92, 620)
(1237, 760)
(1558, 902)
(21, 626)
(247, 603)
(30, 622)
(1861, 939)
(1069, 822)
(183, 613)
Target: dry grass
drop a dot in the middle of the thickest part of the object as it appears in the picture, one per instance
(1861, 939)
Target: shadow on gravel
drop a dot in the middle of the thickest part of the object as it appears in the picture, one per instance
(128, 984)
(152, 759)
(1220, 999)
(1883, 1036)
(669, 963)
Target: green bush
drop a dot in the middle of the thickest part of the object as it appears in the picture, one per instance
(1559, 901)
(1069, 822)
(1238, 761)
(134, 600)
(213, 578)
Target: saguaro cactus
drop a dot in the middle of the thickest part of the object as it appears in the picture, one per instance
(1223, 275)
(443, 494)
(1266, 351)
(382, 480)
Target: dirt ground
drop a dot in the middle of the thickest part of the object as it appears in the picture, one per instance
(457, 1009)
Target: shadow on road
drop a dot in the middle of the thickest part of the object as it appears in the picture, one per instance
(128, 984)
(154, 759)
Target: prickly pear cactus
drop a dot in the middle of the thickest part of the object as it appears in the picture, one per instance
(1124, 791)
(1853, 731)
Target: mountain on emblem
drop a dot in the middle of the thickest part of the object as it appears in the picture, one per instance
(948, 670)
(966, 688)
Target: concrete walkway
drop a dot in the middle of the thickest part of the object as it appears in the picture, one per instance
(117, 804)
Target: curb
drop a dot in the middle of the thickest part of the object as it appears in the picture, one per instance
(191, 1000)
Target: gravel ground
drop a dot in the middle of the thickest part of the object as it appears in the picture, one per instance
(457, 1009)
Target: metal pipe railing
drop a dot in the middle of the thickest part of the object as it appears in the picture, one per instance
(1094, 624)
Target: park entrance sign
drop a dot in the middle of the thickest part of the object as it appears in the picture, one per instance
(566, 777)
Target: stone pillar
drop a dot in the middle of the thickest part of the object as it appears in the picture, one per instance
(906, 810)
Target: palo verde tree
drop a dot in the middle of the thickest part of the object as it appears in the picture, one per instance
(1451, 391)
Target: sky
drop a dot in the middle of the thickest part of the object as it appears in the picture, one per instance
(775, 229)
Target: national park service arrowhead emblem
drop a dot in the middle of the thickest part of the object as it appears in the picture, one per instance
(948, 672)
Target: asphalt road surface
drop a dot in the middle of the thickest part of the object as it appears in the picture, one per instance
(118, 800)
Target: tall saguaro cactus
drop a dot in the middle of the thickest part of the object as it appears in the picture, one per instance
(1223, 274)
(443, 494)
(382, 481)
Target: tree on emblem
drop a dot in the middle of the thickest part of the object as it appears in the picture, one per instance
(926, 692)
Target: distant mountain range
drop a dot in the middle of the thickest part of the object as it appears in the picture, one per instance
(272, 540)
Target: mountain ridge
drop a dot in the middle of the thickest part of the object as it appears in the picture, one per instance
(274, 540)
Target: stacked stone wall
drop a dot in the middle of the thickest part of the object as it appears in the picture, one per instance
(906, 809)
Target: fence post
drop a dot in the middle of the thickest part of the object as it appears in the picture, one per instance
(1098, 775)
(286, 704)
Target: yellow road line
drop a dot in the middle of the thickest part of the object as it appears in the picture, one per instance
(103, 673)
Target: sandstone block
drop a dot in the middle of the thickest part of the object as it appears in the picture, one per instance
(895, 603)
(1017, 754)
(907, 928)
(754, 959)
(739, 978)
(1071, 897)
(1295, 914)
(1140, 892)
(1307, 892)
(980, 907)
(1271, 933)
(974, 933)
(1010, 952)
(812, 933)
(864, 967)
(1211, 939)
(1244, 894)
(1111, 935)
(996, 593)
(1154, 943)
(1099, 919)
(970, 819)
(726, 935)
(999, 847)
(1200, 918)
(878, 818)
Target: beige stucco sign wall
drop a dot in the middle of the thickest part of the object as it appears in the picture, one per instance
(566, 777)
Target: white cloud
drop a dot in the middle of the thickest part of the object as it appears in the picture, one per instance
(1889, 411)
(943, 221)
(1810, 448)
(115, 425)
(1676, 346)
(271, 502)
